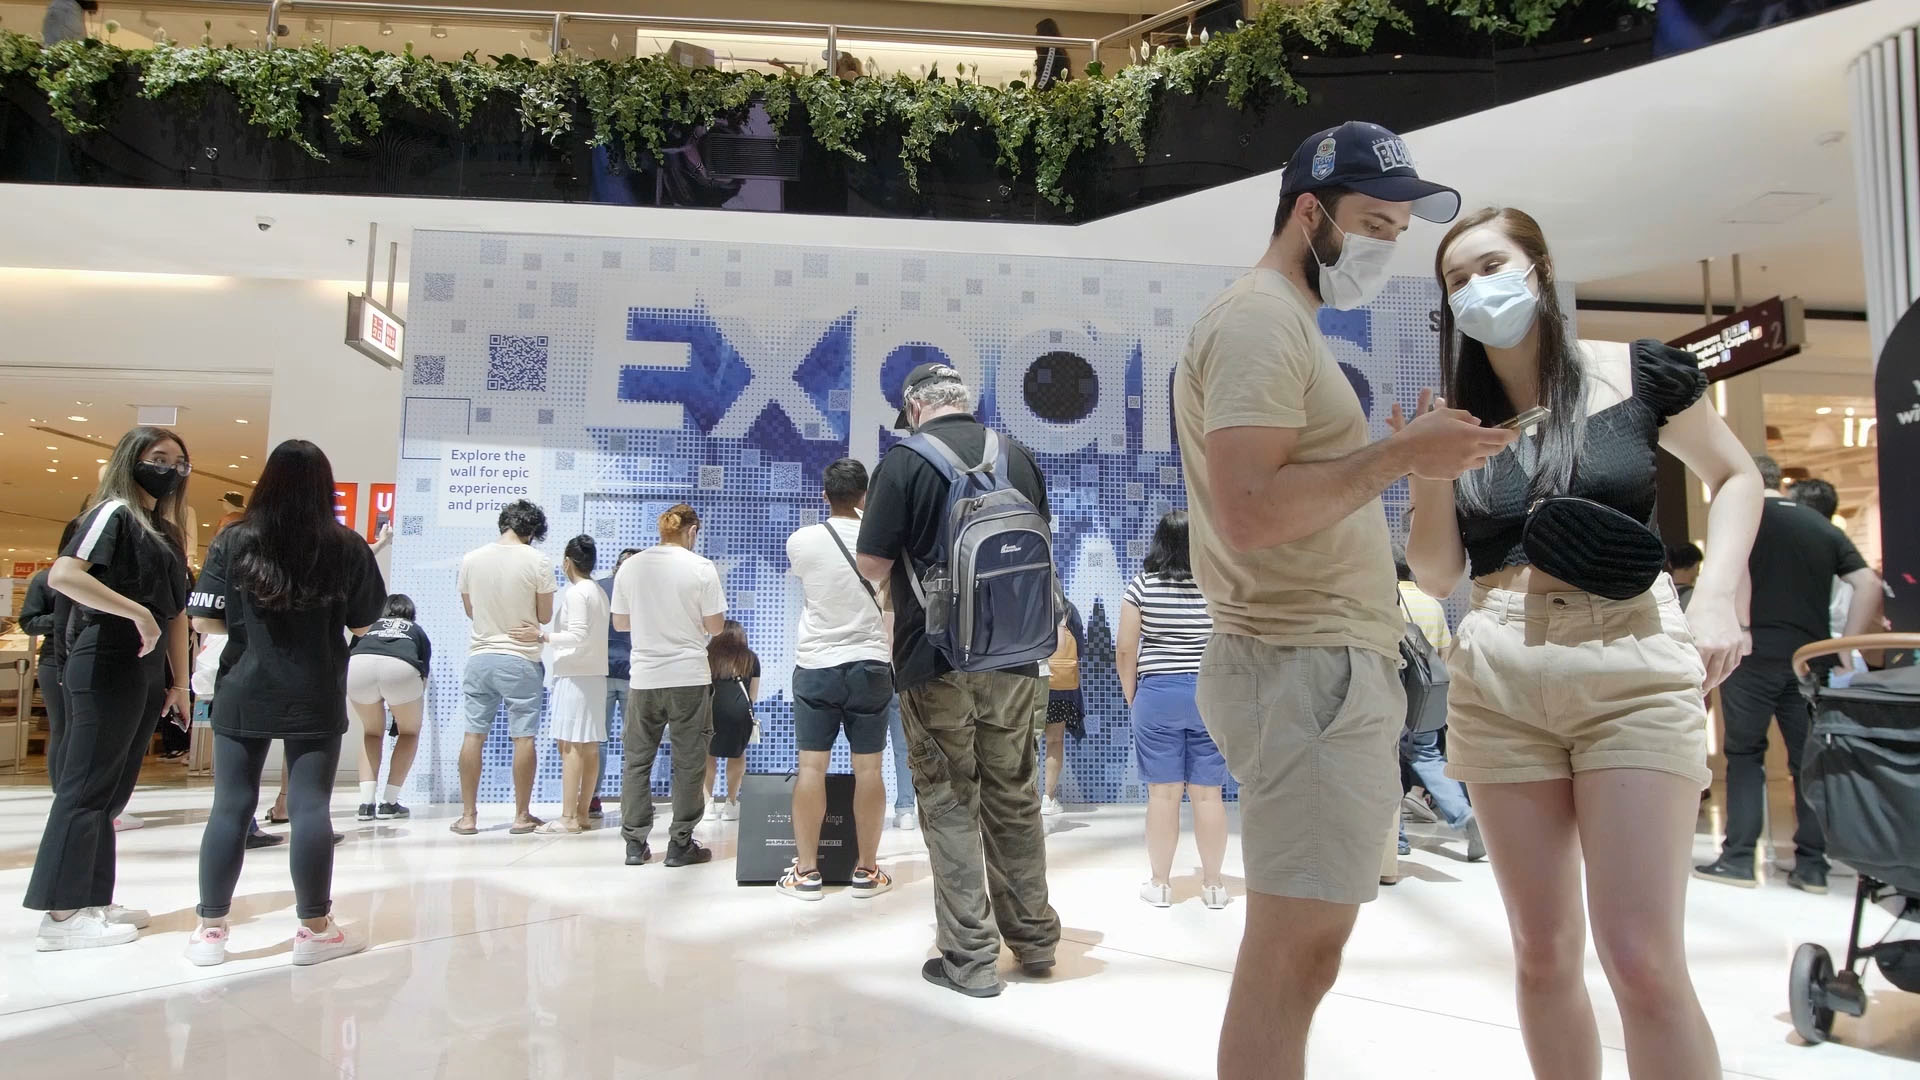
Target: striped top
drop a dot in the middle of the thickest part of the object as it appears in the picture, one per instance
(1174, 624)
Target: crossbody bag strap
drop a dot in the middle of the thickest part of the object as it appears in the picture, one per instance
(851, 564)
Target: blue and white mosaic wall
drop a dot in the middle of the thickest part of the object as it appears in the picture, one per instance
(607, 379)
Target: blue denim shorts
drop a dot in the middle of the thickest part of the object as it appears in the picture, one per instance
(495, 678)
(854, 696)
(1170, 742)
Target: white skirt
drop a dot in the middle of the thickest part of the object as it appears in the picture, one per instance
(577, 708)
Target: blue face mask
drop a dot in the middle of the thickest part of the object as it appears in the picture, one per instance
(1496, 310)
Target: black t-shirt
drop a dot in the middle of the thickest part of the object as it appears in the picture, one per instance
(731, 709)
(284, 673)
(401, 639)
(1796, 556)
(127, 558)
(905, 504)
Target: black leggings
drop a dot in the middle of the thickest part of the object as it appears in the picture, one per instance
(237, 764)
(55, 697)
(113, 703)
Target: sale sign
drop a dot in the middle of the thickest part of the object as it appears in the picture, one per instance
(346, 504)
(380, 500)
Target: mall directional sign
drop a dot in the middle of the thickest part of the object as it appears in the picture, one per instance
(1750, 338)
(375, 331)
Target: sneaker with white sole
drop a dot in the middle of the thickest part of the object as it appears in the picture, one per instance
(1215, 896)
(1156, 894)
(208, 946)
(87, 928)
(869, 882)
(1053, 807)
(138, 918)
(332, 944)
(801, 886)
(128, 823)
(730, 811)
(713, 810)
(906, 819)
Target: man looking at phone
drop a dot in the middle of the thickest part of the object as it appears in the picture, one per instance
(1300, 683)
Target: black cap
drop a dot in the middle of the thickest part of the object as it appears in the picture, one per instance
(1371, 160)
(919, 376)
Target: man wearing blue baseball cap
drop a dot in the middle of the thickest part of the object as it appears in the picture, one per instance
(1300, 684)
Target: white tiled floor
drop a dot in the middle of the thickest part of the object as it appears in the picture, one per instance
(501, 956)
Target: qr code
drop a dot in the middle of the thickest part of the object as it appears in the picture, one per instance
(1169, 474)
(563, 461)
(516, 362)
(1136, 549)
(569, 504)
(743, 601)
(423, 485)
(429, 370)
(783, 476)
(543, 416)
(1136, 492)
(713, 477)
(413, 525)
(839, 400)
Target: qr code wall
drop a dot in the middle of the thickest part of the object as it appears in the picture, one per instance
(608, 379)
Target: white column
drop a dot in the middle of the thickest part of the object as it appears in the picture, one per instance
(1886, 154)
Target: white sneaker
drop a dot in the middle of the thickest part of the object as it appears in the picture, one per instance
(1215, 896)
(1157, 895)
(127, 823)
(1053, 807)
(87, 928)
(713, 809)
(312, 948)
(730, 811)
(135, 917)
(906, 819)
(208, 946)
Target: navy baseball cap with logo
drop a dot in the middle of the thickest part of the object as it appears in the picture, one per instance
(919, 376)
(1371, 160)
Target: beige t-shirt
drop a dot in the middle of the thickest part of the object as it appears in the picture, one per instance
(1256, 358)
(502, 581)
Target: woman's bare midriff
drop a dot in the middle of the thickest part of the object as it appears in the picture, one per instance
(1524, 579)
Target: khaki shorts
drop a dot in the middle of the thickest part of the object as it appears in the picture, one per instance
(1312, 735)
(1546, 685)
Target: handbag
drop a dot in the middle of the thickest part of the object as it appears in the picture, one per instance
(1424, 675)
(1593, 547)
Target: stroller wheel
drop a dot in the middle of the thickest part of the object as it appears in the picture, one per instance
(1807, 993)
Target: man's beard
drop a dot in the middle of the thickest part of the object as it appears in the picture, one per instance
(1326, 240)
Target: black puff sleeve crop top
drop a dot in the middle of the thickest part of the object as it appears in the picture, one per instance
(1615, 466)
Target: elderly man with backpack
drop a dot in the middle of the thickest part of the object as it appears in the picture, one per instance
(957, 525)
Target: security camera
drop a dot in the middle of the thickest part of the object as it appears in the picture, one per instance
(263, 223)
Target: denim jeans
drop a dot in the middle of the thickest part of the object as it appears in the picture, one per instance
(1422, 753)
(902, 771)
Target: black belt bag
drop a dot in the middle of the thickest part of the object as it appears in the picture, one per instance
(1593, 547)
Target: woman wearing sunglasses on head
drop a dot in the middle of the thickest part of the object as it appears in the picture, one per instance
(125, 571)
(1577, 713)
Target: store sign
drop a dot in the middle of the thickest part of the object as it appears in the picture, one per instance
(346, 504)
(1750, 338)
(380, 501)
(375, 331)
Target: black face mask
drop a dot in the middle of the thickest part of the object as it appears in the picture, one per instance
(157, 480)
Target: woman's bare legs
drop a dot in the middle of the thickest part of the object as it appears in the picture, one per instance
(373, 738)
(571, 779)
(1636, 828)
(1209, 830)
(736, 772)
(1056, 757)
(407, 719)
(589, 781)
(1163, 828)
(1534, 844)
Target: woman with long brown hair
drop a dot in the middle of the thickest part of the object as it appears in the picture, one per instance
(125, 571)
(671, 601)
(736, 686)
(1577, 713)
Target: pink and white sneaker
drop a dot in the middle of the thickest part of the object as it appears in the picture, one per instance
(331, 944)
(207, 947)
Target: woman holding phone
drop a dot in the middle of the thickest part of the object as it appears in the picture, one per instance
(1577, 713)
(125, 571)
(284, 585)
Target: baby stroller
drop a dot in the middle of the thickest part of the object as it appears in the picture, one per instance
(1861, 775)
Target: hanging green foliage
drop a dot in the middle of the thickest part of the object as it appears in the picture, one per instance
(636, 103)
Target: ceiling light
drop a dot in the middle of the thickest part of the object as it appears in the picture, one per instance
(238, 421)
(243, 457)
(1824, 410)
(53, 448)
(78, 419)
(439, 31)
(84, 404)
(233, 466)
(53, 470)
(386, 29)
(99, 461)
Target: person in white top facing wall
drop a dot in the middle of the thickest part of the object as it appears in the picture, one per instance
(842, 677)
(671, 601)
(507, 588)
(577, 713)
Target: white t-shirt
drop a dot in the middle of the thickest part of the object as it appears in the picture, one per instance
(668, 591)
(502, 582)
(839, 622)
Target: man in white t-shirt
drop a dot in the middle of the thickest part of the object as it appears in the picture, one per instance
(842, 678)
(507, 588)
(671, 602)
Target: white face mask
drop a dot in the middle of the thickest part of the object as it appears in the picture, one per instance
(1358, 274)
(1496, 310)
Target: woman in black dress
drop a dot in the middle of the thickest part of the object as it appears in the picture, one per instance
(736, 686)
(124, 570)
(283, 584)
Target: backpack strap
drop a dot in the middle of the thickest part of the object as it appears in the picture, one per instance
(851, 564)
(942, 457)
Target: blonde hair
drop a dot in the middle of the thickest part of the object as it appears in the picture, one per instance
(677, 523)
(117, 483)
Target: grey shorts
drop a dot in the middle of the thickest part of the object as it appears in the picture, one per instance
(1312, 735)
(492, 679)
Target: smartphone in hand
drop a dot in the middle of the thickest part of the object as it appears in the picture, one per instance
(1532, 417)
